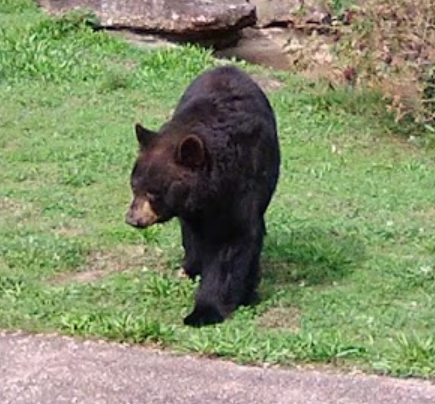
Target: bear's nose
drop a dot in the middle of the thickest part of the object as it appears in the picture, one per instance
(132, 220)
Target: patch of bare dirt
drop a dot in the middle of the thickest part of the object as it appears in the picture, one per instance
(425, 215)
(100, 264)
(288, 318)
(69, 231)
(10, 206)
(266, 83)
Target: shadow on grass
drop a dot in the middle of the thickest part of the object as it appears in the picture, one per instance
(309, 256)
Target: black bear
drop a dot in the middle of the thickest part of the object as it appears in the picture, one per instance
(214, 165)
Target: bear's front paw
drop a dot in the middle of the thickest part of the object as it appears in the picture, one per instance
(191, 271)
(206, 315)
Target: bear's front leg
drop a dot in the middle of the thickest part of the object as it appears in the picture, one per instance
(228, 280)
(191, 265)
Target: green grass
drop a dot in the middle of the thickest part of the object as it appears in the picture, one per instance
(349, 260)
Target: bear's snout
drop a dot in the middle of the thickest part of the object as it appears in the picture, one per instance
(141, 214)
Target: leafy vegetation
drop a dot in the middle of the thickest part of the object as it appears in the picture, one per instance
(386, 45)
(350, 255)
(390, 44)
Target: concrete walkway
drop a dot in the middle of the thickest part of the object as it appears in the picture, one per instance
(56, 370)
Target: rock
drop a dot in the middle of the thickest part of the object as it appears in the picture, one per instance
(273, 11)
(189, 17)
(286, 49)
(143, 40)
(278, 12)
(261, 46)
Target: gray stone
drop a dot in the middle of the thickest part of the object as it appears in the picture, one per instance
(189, 17)
(271, 12)
(261, 46)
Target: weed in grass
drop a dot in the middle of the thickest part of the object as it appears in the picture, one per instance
(11, 286)
(410, 355)
(114, 80)
(118, 326)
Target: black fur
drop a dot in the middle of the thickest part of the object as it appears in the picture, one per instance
(219, 185)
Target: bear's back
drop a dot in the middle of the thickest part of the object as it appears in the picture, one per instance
(231, 113)
(223, 88)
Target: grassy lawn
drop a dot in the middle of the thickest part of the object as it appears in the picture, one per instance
(349, 260)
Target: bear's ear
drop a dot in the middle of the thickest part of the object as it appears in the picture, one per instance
(191, 152)
(143, 135)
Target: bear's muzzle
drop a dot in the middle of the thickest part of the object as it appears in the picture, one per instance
(141, 214)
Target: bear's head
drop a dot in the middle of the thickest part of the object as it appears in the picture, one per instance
(164, 176)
